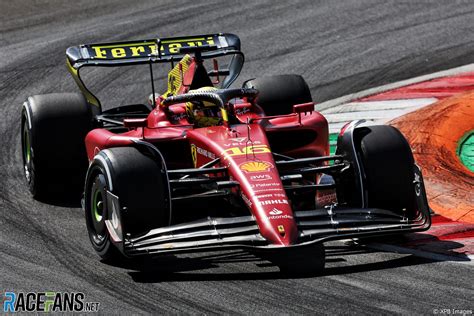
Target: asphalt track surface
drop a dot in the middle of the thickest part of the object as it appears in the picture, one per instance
(339, 47)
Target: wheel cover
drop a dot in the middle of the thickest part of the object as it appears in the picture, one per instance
(98, 206)
(98, 209)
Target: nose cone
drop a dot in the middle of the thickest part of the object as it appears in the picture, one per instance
(246, 153)
(264, 194)
(281, 230)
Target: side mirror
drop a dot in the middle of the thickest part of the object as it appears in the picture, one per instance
(134, 123)
(303, 107)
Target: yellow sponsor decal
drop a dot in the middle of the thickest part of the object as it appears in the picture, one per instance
(248, 150)
(194, 154)
(146, 48)
(256, 166)
(173, 46)
(224, 115)
(142, 49)
(174, 76)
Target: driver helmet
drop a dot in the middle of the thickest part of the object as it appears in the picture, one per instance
(203, 113)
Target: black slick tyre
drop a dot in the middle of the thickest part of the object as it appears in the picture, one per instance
(278, 94)
(138, 180)
(388, 165)
(53, 128)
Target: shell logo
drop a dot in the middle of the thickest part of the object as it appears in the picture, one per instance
(256, 166)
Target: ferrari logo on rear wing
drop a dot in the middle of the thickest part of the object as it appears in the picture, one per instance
(148, 48)
(140, 49)
(152, 50)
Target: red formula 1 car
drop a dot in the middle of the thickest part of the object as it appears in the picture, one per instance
(204, 166)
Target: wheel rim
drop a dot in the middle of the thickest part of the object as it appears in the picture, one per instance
(97, 206)
(26, 149)
(98, 209)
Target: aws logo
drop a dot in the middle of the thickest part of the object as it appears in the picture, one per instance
(261, 177)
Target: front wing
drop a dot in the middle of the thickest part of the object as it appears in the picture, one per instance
(315, 226)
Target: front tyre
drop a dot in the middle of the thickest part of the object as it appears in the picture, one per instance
(304, 262)
(96, 208)
(298, 262)
(388, 165)
(126, 192)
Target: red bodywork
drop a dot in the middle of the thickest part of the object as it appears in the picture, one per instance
(245, 149)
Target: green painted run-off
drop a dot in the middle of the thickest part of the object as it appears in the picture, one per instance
(466, 150)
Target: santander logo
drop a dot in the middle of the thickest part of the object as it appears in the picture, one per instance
(276, 214)
(275, 211)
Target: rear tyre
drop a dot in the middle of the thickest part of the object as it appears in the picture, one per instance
(278, 94)
(53, 128)
(388, 165)
(137, 179)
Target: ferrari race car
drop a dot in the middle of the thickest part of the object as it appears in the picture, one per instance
(207, 167)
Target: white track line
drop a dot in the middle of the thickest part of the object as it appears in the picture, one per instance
(374, 112)
(380, 105)
(469, 259)
(391, 86)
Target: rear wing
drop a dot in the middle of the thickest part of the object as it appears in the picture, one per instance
(146, 51)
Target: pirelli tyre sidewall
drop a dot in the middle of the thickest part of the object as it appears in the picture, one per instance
(136, 180)
(53, 128)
